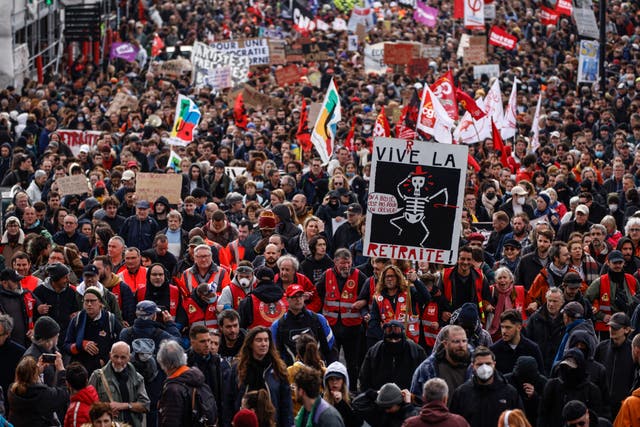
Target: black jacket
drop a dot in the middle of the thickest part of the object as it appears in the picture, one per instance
(619, 366)
(289, 327)
(36, 407)
(387, 362)
(506, 356)
(175, 403)
(217, 373)
(526, 371)
(364, 405)
(547, 332)
(557, 393)
(528, 268)
(482, 404)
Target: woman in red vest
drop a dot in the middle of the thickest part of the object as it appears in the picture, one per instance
(504, 296)
(394, 299)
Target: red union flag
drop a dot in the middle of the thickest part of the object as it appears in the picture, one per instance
(499, 37)
(444, 89)
(564, 7)
(548, 16)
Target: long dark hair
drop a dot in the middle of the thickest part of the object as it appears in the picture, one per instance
(307, 351)
(246, 355)
(260, 402)
(26, 374)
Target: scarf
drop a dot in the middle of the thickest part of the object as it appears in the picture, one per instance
(255, 378)
(304, 244)
(302, 412)
(504, 303)
(490, 205)
(558, 271)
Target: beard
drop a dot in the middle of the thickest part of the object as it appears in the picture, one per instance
(460, 356)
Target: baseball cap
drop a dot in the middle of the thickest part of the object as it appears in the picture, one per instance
(196, 240)
(518, 191)
(619, 320)
(84, 148)
(572, 280)
(128, 175)
(146, 308)
(11, 275)
(90, 270)
(513, 243)
(574, 309)
(583, 209)
(293, 290)
(354, 208)
(476, 237)
(615, 256)
(142, 204)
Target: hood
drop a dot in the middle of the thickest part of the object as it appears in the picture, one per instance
(5, 238)
(192, 378)
(434, 412)
(268, 292)
(82, 287)
(526, 369)
(282, 212)
(112, 281)
(87, 395)
(167, 276)
(584, 337)
(163, 201)
(339, 368)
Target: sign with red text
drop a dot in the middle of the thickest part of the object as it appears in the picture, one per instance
(76, 138)
(499, 37)
(548, 16)
(564, 7)
(414, 208)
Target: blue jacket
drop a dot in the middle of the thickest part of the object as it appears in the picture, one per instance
(143, 328)
(139, 233)
(289, 326)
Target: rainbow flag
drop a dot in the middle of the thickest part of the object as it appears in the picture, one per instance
(174, 161)
(187, 118)
(324, 131)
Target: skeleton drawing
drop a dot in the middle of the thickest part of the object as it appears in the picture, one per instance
(414, 191)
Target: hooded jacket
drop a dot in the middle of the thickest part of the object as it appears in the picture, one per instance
(619, 364)
(225, 300)
(127, 300)
(387, 362)
(162, 223)
(285, 226)
(63, 305)
(547, 332)
(110, 300)
(526, 371)
(629, 414)
(436, 414)
(78, 411)
(267, 292)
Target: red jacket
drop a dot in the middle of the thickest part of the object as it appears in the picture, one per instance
(78, 411)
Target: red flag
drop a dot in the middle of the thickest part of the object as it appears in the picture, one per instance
(469, 104)
(382, 125)
(498, 145)
(349, 142)
(564, 7)
(303, 136)
(548, 16)
(405, 128)
(472, 162)
(157, 45)
(444, 89)
(499, 37)
(239, 113)
(458, 9)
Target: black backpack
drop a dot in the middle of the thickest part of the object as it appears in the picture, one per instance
(203, 405)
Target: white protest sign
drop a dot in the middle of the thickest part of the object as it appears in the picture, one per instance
(352, 45)
(491, 70)
(374, 59)
(205, 58)
(586, 23)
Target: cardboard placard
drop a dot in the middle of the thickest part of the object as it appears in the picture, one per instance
(205, 58)
(398, 53)
(294, 52)
(418, 67)
(314, 52)
(277, 52)
(121, 100)
(74, 184)
(150, 186)
(253, 98)
(288, 75)
(173, 67)
(476, 52)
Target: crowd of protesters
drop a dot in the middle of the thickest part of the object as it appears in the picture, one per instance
(251, 302)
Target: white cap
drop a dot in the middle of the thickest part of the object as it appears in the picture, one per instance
(84, 148)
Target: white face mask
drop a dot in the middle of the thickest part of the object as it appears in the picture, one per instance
(520, 200)
(613, 208)
(244, 282)
(484, 372)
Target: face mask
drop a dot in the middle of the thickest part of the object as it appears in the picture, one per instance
(491, 196)
(350, 174)
(613, 208)
(144, 357)
(521, 200)
(599, 154)
(484, 372)
(366, 128)
(212, 300)
(244, 282)
(259, 185)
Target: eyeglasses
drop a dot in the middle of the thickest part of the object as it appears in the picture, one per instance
(90, 301)
(392, 328)
(634, 230)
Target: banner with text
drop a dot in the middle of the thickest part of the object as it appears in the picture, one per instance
(415, 200)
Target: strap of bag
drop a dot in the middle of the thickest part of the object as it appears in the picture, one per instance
(106, 385)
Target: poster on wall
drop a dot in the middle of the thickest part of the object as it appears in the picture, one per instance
(414, 209)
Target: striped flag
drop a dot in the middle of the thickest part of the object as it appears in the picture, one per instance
(187, 119)
(324, 131)
(174, 161)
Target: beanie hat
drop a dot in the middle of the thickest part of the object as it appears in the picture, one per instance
(95, 291)
(267, 219)
(545, 197)
(245, 418)
(468, 314)
(389, 395)
(574, 409)
(45, 328)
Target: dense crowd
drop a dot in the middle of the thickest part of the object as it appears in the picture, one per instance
(251, 302)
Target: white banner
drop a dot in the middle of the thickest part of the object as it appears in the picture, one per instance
(374, 59)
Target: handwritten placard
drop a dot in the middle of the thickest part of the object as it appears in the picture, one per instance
(150, 186)
(74, 184)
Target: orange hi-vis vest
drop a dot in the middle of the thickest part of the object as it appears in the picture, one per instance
(403, 313)
(265, 313)
(604, 302)
(338, 303)
(190, 282)
(448, 293)
(133, 280)
(235, 253)
(198, 316)
(520, 304)
(174, 297)
(237, 295)
(430, 316)
(29, 304)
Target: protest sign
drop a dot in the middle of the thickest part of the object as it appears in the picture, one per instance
(491, 70)
(501, 38)
(253, 98)
(126, 51)
(73, 184)
(426, 15)
(315, 51)
(352, 44)
(374, 59)
(588, 61)
(361, 16)
(222, 54)
(122, 100)
(234, 171)
(586, 23)
(219, 78)
(418, 67)
(287, 75)
(294, 52)
(476, 51)
(150, 186)
(277, 52)
(303, 19)
(431, 51)
(75, 138)
(172, 68)
(398, 53)
(416, 198)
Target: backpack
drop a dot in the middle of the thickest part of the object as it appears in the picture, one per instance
(203, 405)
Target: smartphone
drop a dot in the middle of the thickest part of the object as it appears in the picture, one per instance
(48, 358)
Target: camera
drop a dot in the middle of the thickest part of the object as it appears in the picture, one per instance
(48, 357)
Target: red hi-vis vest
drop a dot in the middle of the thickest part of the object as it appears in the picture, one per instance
(519, 302)
(446, 279)
(237, 295)
(116, 291)
(197, 316)
(29, 304)
(430, 316)
(403, 313)
(190, 282)
(174, 297)
(235, 253)
(134, 281)
(604, 302)
(265, 313)
(338, 303)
